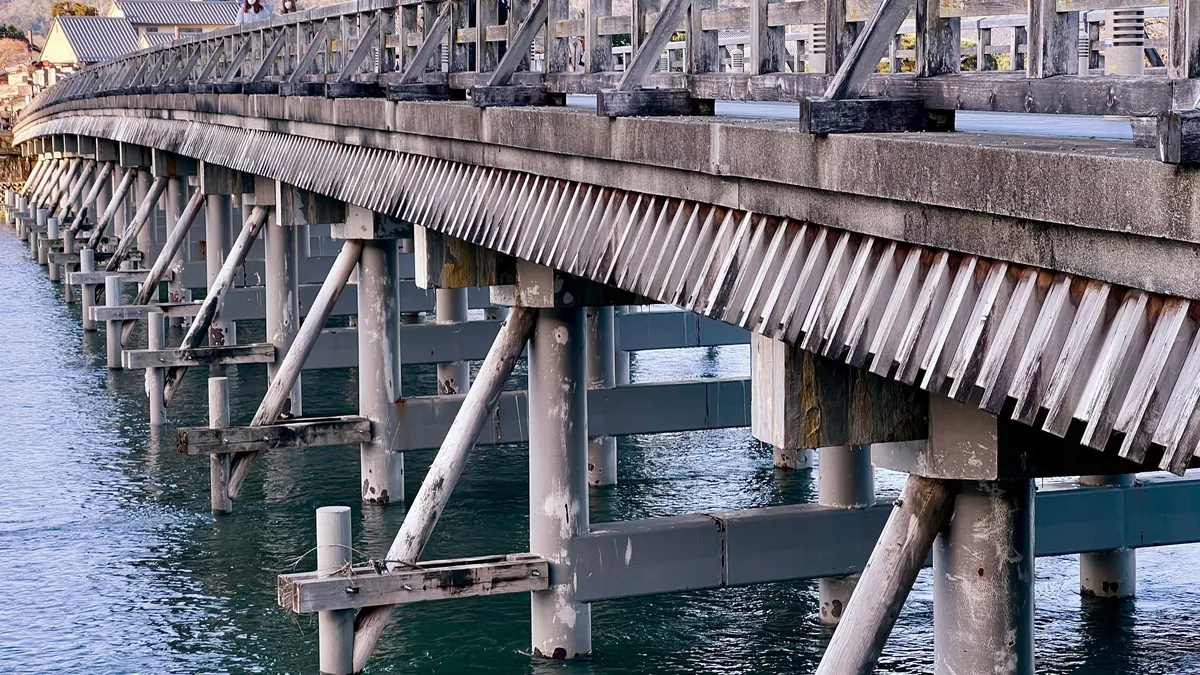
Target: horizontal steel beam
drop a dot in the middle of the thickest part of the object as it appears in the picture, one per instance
(807, 541)
(648, 408)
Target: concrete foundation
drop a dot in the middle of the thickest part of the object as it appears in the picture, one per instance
(845, 480)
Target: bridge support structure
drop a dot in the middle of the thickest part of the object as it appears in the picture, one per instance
(1112, 573)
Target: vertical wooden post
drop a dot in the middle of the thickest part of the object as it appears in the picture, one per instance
(558, 49)
(460, 53)
(176, 196)
(840, 35)
(1183, 39)
(1017, 58)
(983, 60)
(766, 54)
(219, 464)
(939, 40)
(335, 629)
(156, 377)
(145, 231)
(216, 244)
(1052, 40)
(598, 48)
(52, 235)
(487, 54)
(282, 298)
(112, 335)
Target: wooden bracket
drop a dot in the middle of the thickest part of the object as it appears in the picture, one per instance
(443, 261)
(651, 102)
(287, 435)
(363, 223)
(513, 95)
(858, 115)
(368, 585)
(1179, 136)
(353, 90)
(291, 88)
(261, 88)
(540, 286)
(420, 91)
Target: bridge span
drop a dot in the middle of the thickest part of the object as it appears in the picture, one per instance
(974, 309)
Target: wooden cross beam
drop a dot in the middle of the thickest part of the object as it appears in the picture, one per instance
(117, 201)
(434, 34)
(315, 46)
(140, 218)
(235, 62)
(289, 435)
(364, 585)
(227, 355)
(366, 40)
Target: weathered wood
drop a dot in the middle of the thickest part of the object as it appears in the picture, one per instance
(1053, 39)
(645, 59)
(219, 463)
(216, 293)
(127, 276)
(703, 42)
(867, 621)
(175, 241)
(353, 90)
(447, 466)
(518, 46)
(1179, 136)
(650, 102)
(142, 312)
(117, 201)
(290, 435)
(199, 356)
(444, 261)
(938, 41)
(851, 76)
(766, 50)
(98, 185)
(144, 212)
(290, 88)
(858, 115)
(365, 585)
(435, 34)
(261, 88)
(1183, 38)
(419, 91)
(514, 95)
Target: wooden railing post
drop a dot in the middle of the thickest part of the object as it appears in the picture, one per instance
(1183, 39)
(1052, 40)
(766, 42)
(598, 48)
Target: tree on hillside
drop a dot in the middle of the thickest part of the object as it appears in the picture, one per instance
(69, 8)
(12, 32)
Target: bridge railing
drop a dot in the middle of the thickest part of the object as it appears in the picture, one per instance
(762, 51)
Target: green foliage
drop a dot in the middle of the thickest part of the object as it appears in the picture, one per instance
(621, 40)
(12, 32)
(70, 8)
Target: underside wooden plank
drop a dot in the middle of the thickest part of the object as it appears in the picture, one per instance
(200, 356)
(288, 435)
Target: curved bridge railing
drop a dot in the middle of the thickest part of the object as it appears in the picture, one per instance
(534, 51)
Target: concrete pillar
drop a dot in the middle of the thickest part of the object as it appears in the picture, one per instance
(1126, 55)
(112, 336)
(40, 247)
(620, 357)
(983, 581)
(52, 235)
(283, 300)
(451, 307)
(104, 197)
(140, 190)
(68, 239)
(176, 196)
(407, 246)
(558, 495)
(335, 629)
(216, 246)
(220, 465)
(845, 480)
(1108, 574)
(602, 374)
(382, 469)
(87, 263)
(155, 377)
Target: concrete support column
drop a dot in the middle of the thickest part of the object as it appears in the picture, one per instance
(1108, 574)
(845, 480)
(68, 239)
(335, 629)
(451, 307)
(620, 356)
(140, 190)
(1126, 55)
(104, 197)
(176, 196)
(112, 336)
(602, 374)
(52, 235)
(407, 246)
(983, 581)
(495, 313)
(220, 465)
(156, 377)
(87, 263)
(558, 494)
(283, 301)
(216, 246)
(379, 370)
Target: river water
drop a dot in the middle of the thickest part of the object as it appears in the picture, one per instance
(112, 563)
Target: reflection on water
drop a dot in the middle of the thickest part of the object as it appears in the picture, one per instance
(114, 564)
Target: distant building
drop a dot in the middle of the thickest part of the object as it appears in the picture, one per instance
(77, 41)
(151, 19)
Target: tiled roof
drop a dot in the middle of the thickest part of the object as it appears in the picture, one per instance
(179, 12)
(154, 39)
(98, 38)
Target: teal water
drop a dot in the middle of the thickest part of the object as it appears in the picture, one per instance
(112, 562)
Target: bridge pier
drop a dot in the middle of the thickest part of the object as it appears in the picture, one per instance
(451, 307)
(984, 581)
(845, 480)
(382, 469)
(282, 290)
(558, 492)
(176, 197)
(218, 185)
(1108, 574)
(601, 357)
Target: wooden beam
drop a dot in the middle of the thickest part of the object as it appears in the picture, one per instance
(174, 242)
(923, 508)
(1179, 137)
(1053, 40)
(645, 60)
(519, 45)
(869, 48)
(290, 435)
(435, 33)
(1183, 37)
(199, 356)
(365, 585)
(364, 48)
(856, 115)
(651, 102)
(144, 212)
(268, 58)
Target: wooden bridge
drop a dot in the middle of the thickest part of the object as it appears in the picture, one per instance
(977, 310)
